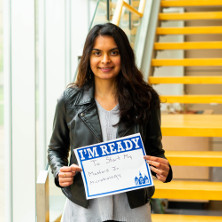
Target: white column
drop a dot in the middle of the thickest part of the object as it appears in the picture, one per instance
(19, 58)
(7, 109)
(79, 30)
(55, 57)
(41, 139)
(68, 41)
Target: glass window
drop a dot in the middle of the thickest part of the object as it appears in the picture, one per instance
(2, 208)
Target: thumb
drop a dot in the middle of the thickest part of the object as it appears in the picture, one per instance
(75, 167)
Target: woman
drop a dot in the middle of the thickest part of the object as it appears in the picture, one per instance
(109, 100)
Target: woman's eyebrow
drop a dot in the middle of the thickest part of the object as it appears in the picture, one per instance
(116, 48)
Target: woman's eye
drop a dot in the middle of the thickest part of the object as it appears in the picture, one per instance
(115, 53)
(96, 53)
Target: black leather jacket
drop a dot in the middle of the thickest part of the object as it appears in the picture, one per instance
(77, 124)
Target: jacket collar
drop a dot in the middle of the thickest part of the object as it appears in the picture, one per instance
(90, 114)
(87, 95)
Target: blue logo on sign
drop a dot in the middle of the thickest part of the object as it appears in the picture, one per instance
(141, 179)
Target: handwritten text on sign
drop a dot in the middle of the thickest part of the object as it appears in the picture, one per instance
(113, 167)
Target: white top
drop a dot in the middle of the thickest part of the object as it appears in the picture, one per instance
(114, 207)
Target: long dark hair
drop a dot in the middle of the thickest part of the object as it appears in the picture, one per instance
(136, 98)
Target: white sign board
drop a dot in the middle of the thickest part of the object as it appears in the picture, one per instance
(114, 167)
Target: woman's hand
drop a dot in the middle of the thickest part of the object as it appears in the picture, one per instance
(158, 165)
(67, 173)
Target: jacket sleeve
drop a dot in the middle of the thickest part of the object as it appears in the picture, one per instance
(58, 150)
(153, 142)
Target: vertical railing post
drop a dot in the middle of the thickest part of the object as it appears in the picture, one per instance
(108, 10)
(130, 16)
(42, 196)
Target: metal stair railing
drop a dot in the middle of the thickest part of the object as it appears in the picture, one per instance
(42, 195)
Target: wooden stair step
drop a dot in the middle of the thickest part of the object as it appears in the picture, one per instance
(103, 5)
(187, 62)
(201, 125)
(185, 80)
(190, 16)
(134, 3)
(192, 99)
(176, 3)
(184, 218)
(194, 158)
(192, 190)
(189, 30)
(58, 219)
(187, 45)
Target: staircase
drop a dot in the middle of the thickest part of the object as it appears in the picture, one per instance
(129, 22)
(191, 125)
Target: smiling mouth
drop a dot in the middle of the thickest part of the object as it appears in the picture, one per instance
(106, 69)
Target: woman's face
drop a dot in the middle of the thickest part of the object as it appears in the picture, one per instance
(105, 61)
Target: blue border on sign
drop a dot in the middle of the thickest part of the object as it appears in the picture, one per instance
(141, 147)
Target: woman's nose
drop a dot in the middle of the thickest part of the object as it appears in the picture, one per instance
(106, 58)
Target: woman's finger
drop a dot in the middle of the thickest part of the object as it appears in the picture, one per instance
(63, 180)
(65, 169)
(158, 165)
(65, 174)
(161, 178)
(159, 172)
(75, 168)
(154, 163)
(161, 166)
(156, 159)
(65, 184)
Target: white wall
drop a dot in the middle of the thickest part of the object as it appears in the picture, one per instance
(42, 40)
(19, 72)
(62, 27)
